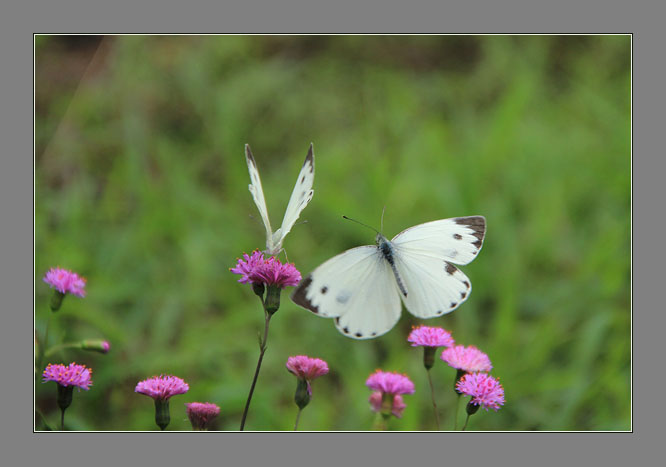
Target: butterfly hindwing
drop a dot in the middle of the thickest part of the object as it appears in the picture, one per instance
(357, 288)
(434, 286)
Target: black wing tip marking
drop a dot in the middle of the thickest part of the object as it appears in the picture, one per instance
(450, 268)
(477, 224)
(299, 295)
(310, 158)
(248, 153)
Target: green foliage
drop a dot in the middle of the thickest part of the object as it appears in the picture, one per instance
(141, 186)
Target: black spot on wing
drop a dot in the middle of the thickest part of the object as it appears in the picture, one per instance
(373, 334)
(463, 295)
(466, 284)
(477, 224)
(345, 330)
(450, 268)
(457, 236)
(302, 180)
(337, 320)
(358, 334)
(439, 312)
(248, 154)
(299, 295)
(453, 304)
(324, 289)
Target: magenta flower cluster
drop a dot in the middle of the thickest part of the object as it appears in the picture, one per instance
(162, 387)
(427, 336)
(485, 390)
(255, 269)
(65, 281)
(70, 375)
(468, 359)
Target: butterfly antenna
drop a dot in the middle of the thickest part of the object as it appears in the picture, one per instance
(364, 225)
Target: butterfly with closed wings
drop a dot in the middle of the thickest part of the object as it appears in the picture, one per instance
(362, 287)
(300, 198)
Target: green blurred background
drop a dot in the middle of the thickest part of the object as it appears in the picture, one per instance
(141, 186)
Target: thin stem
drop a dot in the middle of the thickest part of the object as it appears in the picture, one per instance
(455, 416)
(262, 350)
(298, 416)
(432, 395)
(46, 425)
(380, 422)
(57, 348)
(465, 425)
(42, 347)
(62, 419)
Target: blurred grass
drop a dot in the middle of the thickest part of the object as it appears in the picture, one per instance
(141, 186)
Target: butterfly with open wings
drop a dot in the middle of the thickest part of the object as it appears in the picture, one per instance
(362, 288)
(300, 197)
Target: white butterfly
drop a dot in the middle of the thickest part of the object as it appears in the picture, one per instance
(362, 287)
(300, 198)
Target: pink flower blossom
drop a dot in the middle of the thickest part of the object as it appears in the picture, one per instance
(430, 337)
(484, 389)
(201, 414)
(390, 383)
(307, 368)
(397, 407)
(162, 387)
(256, 269)
(65, 281)
(71, 375)
(469, 359)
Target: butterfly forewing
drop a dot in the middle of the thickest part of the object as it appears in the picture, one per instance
(257, 192)
(456, 240)
(300, 197)
(357, 288)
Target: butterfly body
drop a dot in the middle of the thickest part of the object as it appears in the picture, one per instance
(363, 288)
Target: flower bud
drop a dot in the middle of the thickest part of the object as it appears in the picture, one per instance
(96, 345)
(472, 408)
(56, 300)
(272, 303)
(64, 396)
(303, 392)
(162, 417)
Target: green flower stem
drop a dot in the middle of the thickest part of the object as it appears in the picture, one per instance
(455, 415)
(298, 416)
(262, 350)
(43, 345)
(380, 423)
(434, 404)
(466, 420)
(57, 348)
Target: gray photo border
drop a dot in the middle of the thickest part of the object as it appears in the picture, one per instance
(23, 447)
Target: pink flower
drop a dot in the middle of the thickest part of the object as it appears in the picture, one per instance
(162, 387)
(256, 269)
(201, 414)
(71, 375)
(430, 337)
(390, 383)
(65, 281)
(307, 368)
(484, 389)
(469, 359)
(397, 407)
